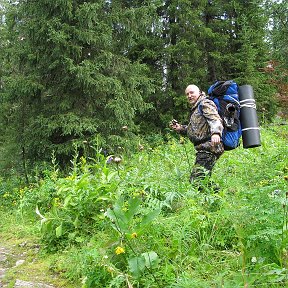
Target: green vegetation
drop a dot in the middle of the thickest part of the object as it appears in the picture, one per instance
(89, 169)
(136, 221)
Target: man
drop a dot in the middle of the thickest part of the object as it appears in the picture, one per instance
(204, 130)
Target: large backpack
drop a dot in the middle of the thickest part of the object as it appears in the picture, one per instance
(225, 95)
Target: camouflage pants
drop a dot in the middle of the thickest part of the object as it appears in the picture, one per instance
(204, 164)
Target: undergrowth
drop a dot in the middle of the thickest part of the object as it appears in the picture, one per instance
(137, 221)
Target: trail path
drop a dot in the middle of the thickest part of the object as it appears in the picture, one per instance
(10, 260)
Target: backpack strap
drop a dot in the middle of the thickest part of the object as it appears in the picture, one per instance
(232, 98)
(215, 100)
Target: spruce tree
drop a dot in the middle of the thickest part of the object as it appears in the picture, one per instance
(278, 65)
(237, 47)
(176, 58)
(251, 52)
(70, 82)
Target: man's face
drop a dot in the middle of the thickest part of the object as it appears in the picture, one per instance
(192, 92)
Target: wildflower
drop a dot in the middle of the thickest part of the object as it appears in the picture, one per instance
(57, 202)
(254, 259)
(125, 128)
(134, 235)
(119, 250)
(117, 160)
(71, 177)
(276, 192)
(143, 193)
(140, 147)
(109, 160)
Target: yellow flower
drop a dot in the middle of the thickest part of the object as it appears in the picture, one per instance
(134, 235)
(119, 250)
(57, 202)
(71, 177)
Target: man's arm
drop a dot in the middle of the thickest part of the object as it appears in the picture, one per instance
(214, 120)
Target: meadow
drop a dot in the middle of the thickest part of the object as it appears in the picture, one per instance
(134, 220)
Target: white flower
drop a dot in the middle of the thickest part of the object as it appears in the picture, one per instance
(117, 160)
(254, 259)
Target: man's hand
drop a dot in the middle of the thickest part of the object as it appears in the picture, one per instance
(175, 125)
(215, 139)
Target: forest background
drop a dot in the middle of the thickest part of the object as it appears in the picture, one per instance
(74, 73)
(84, 83)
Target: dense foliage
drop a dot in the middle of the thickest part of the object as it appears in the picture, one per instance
(136, 221)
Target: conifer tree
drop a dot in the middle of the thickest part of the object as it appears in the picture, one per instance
(236, 47)
(278, 65)
(178, 57)
(71, 81)
(251, 52)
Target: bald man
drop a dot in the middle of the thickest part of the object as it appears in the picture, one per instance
(204, 130)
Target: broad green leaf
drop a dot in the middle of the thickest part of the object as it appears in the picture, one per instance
(136, 265)
(67, 200)
(151, 259)
(150, 217)
(133, 207)
(119, 220)
(58, 231)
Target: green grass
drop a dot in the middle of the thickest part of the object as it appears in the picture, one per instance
(234, 238)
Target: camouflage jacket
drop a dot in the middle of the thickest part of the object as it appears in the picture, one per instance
(203, 123)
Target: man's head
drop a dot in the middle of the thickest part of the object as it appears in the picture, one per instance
(192, 92)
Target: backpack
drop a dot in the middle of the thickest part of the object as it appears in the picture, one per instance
(225, 95)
